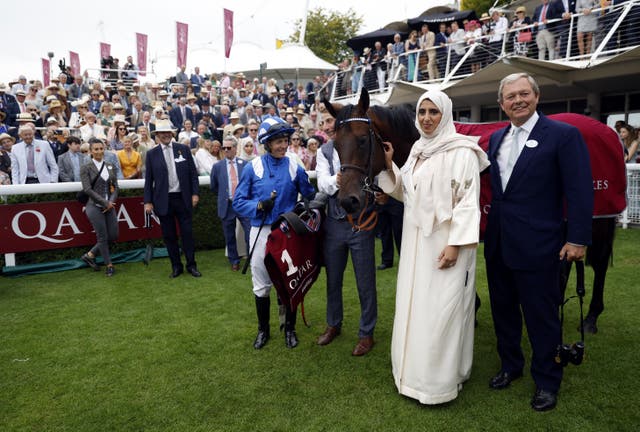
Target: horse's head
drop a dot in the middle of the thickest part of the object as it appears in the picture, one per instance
(360, 149)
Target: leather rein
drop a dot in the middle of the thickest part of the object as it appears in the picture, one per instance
(368, 185)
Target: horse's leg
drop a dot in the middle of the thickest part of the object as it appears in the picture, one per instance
(598, 255)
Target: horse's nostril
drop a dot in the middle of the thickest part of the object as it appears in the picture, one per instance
(351, 204)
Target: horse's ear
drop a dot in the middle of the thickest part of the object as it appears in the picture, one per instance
(363, 103)
(333, 109)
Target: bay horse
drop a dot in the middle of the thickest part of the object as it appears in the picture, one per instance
(360, 131)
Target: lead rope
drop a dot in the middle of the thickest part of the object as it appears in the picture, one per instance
(368, 224)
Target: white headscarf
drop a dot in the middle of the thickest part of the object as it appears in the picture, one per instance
(433, 195)
(445, 136)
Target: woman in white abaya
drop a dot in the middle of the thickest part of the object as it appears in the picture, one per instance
(432, 342)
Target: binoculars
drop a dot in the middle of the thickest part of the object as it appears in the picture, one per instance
(573, 354)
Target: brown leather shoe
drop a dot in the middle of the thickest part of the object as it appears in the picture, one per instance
(364, 346)
(235, 267)
(328, 336)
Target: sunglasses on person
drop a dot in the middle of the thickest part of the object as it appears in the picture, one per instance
(295, 139)
(253, 130)
(122, 128)
(226, 148)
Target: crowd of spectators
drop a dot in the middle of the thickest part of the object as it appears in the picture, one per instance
(121, 111)
(542, 33)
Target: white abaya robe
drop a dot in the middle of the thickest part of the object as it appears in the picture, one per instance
(432, 342)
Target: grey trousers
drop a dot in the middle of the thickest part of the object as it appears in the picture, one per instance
(338, 242)
(106, 227)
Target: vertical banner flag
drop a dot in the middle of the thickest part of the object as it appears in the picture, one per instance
(141, 44)
(228, 32)
(105, 50)
(182, 36)
(46, 72)
(74, 59)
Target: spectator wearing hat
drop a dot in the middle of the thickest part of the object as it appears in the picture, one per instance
(70, 162)
(6, 142)
(234, 119)
(95, 102)
(117, 132)
(521, 20)
(21, 97)
(80, 109)
(171, 191)
(32, 160)
(91, 129)
(56, 111)
(274, 97)
(192, 103)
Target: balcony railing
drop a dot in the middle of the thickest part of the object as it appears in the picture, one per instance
(615, 31)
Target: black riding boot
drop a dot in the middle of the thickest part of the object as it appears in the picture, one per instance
(262, 308)
(290, 337)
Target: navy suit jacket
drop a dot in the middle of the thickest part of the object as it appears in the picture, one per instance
(156, 181)
(175, 115)
(220, 184)
(553, 11)
(551, 181)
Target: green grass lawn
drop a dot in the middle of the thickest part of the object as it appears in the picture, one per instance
(142, 352)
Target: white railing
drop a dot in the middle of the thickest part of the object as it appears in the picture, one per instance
(631, 214)
(617, 31)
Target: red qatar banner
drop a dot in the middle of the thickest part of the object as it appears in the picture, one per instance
(74, 59)
(63, 224)
(105, 50)
(46, 72)
(182, 40)
(141, 49)
(228, 32)
(605, 154)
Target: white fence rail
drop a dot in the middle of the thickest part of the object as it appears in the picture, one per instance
(631, 215)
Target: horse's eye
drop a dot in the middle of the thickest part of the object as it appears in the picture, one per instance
(363, 141)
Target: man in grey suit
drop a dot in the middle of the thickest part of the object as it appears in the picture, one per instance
(70, 162)
(32, 160)
(225, 176)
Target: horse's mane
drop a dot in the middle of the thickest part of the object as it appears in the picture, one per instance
(399, 119)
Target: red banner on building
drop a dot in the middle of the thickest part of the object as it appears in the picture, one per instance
(228, 32)
(141, 48)
(182, 38)
(74, 60)
(46, 72)
(105, 50)
(55, 225)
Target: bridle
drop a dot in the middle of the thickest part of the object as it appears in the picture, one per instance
(368, 186)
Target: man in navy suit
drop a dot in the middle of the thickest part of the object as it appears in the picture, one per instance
(180, 113)
(171, 191)
(545, 38)
(225, 176)
(540, 177)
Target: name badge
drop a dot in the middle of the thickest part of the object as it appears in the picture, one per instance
(531, 144)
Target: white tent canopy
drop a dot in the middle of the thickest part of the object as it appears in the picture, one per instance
(292, 62)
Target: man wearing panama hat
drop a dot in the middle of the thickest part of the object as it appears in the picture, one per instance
(171, 192)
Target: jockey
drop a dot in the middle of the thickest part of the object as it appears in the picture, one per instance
(269, 186)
